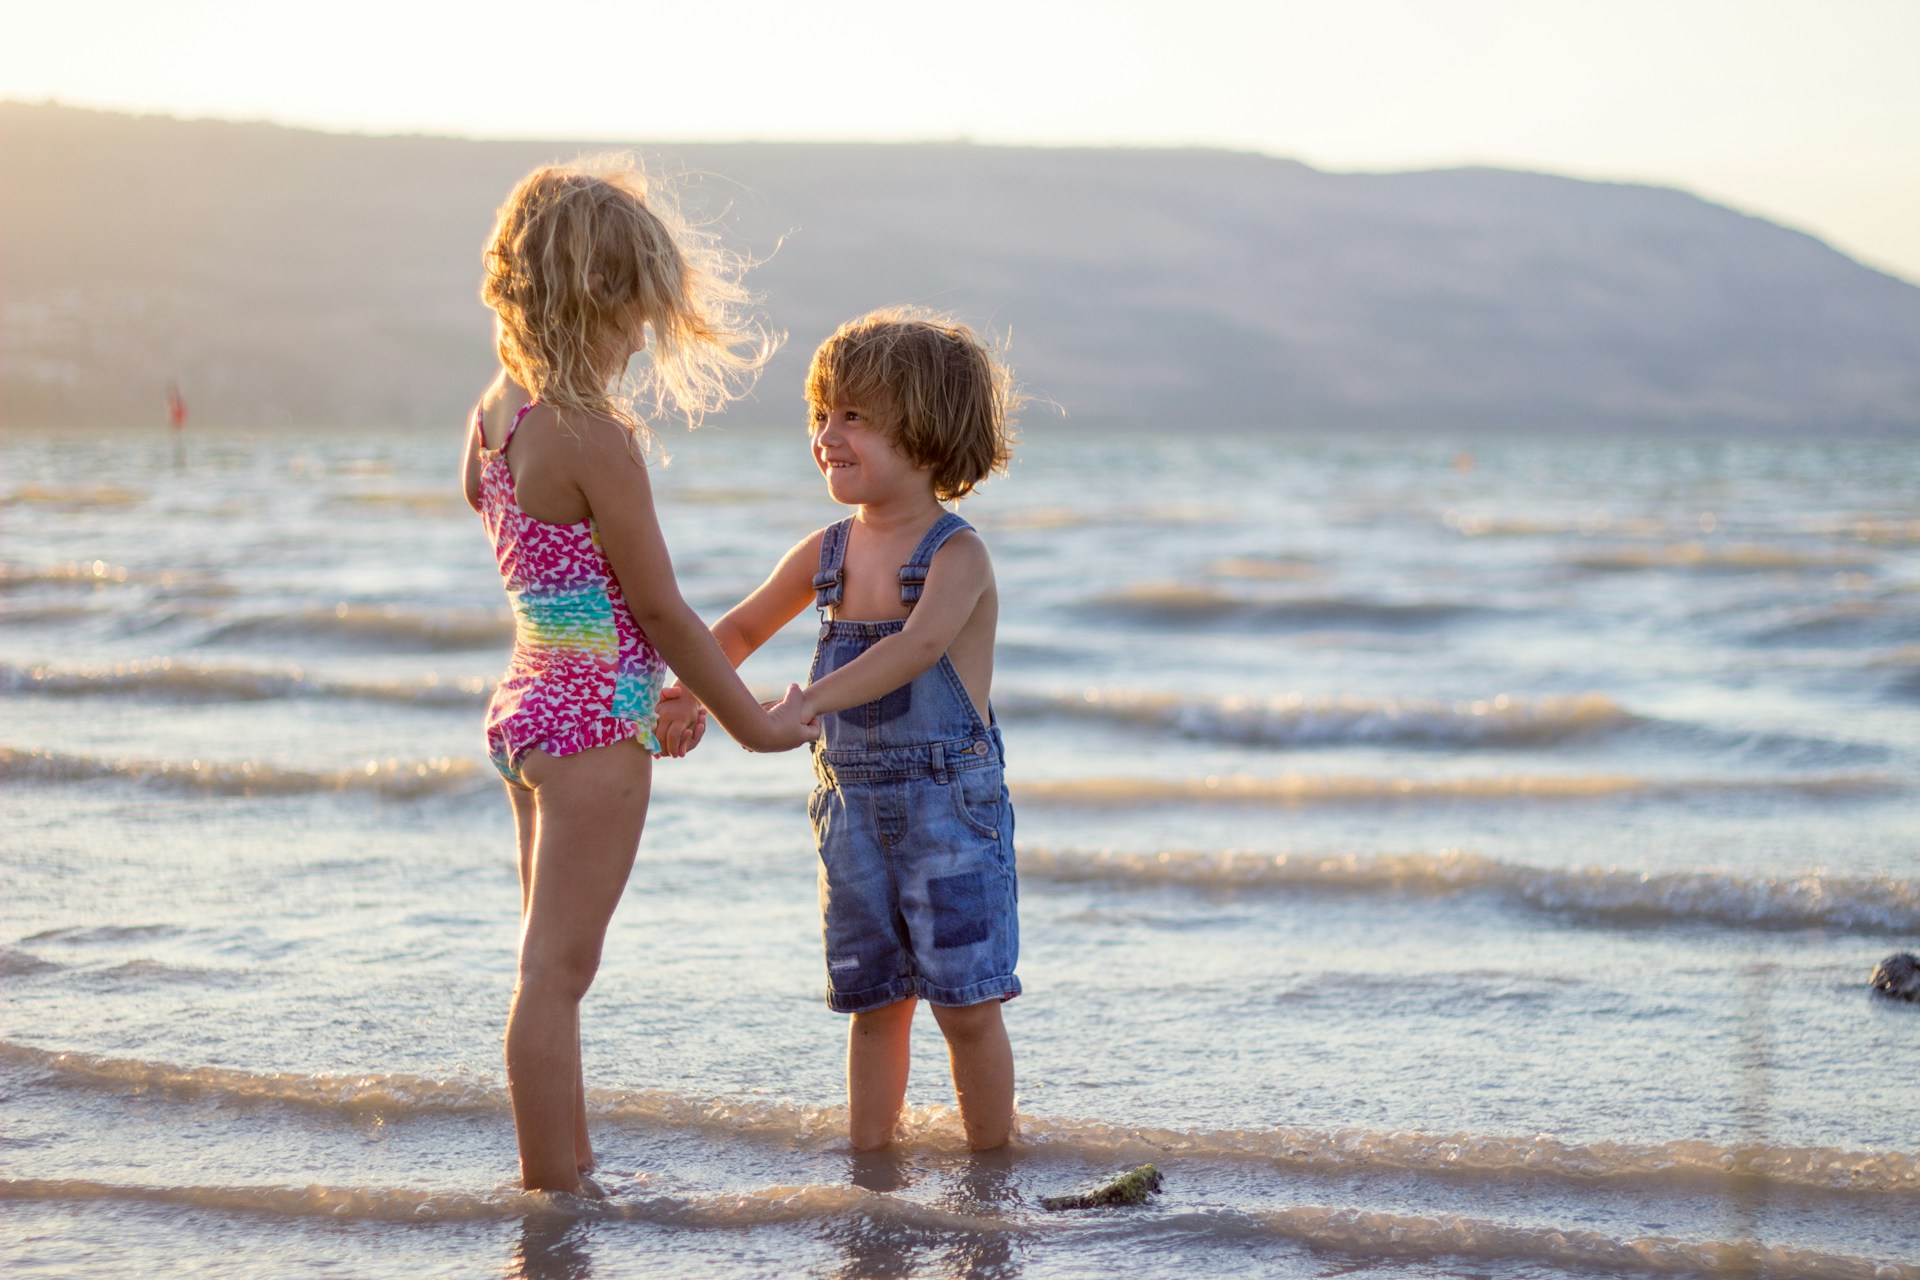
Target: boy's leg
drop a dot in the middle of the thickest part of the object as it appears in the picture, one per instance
(982, 1062)
(877, 1060)
(590, 809)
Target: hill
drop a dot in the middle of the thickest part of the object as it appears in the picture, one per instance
(302, 278)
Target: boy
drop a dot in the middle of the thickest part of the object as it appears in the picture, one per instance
(911, 816)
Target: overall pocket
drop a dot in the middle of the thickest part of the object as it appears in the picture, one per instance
(978, 798)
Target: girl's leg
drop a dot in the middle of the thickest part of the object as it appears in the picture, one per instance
(877, 1062)
(527, 825)
(589, 811)
(982, 1070)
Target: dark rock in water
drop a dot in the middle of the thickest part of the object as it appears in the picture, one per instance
(1897, 978)
(1131, 1187)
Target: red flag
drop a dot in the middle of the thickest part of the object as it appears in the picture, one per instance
(176, 407)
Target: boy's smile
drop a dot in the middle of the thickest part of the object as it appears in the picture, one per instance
(861, 463)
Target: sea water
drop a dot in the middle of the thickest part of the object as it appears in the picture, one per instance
(1439, 856)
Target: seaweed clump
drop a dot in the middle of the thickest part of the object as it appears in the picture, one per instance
(1131, 1187)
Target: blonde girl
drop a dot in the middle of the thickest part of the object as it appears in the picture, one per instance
(583, 270)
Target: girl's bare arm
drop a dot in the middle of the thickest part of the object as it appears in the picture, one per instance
(618, 493)
(470, 463)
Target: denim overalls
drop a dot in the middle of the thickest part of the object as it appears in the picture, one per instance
(912, 820)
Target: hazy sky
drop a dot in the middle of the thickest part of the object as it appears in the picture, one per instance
(1808, 113)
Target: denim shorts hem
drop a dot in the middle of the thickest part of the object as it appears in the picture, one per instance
(1003, 988)
(872, 998)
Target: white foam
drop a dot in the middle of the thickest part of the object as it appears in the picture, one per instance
(1296, 719)
(397, 779)
(1873, 904)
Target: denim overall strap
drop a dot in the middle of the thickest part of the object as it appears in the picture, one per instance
(913, 574)
(830, 583)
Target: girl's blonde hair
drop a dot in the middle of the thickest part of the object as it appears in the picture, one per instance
(585, 265)
(943, 397)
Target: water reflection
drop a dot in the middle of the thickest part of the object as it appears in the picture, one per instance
(883, 1244)
(552, 1246)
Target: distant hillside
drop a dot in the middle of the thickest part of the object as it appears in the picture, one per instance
(290, 277)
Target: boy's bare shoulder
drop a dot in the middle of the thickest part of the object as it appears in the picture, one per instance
(965, 551)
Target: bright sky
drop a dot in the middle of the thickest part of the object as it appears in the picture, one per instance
(1804, 112)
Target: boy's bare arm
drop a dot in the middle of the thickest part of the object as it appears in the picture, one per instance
(772, 604)
(959, 575)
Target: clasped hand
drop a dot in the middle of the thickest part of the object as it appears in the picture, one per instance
(682, 722)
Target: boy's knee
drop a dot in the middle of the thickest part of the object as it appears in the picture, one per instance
(884, 1019)
(965, 1023)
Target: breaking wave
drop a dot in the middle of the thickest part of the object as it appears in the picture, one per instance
(1297, 720)
(1374, 1233)
(382, 627)
(1361, 1232)
(1187, 605)
(1880, 905)
(167, 678)
(88, 573)
(1305, 789)
(73, 497)
(1683, 1161)
(396, 779)
(1707, 558)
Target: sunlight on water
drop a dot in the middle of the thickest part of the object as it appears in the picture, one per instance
(1433, 870)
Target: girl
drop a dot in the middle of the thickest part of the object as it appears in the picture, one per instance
(581, 270)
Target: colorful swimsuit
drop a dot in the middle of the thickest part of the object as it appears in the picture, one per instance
(583, 674)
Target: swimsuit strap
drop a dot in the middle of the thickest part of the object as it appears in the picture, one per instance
(525, 409)
(830, 583)
(913, 574)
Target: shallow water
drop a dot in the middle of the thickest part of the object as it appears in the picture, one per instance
(1441, 858)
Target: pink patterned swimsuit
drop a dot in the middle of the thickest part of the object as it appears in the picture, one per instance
(583, 674)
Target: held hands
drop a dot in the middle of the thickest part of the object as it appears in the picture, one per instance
(792, 723)
(681, 723)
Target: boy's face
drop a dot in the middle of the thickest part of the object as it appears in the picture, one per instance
(859, 459)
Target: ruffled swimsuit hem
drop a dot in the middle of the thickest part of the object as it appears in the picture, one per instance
(509, 742)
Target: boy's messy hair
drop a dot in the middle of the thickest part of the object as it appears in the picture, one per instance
(942, 396)
(583, 257)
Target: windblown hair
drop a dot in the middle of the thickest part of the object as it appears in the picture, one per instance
(585, 265)
(943, 397)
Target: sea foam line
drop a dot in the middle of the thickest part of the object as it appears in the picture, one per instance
(1295, 719)
(1304, 788)
(766, 1206)
(1189, 604)
(1864, 904)
(1367, 1233)
(1377, 1234)
(1739, 557)
(84, 573)
(377, 627)
(397, 779)
(1689, 1161)
(196, 682)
